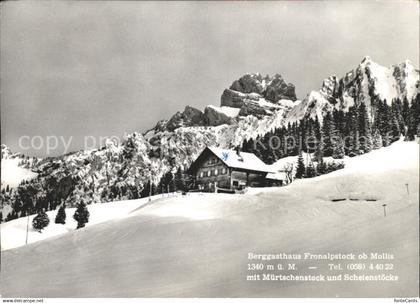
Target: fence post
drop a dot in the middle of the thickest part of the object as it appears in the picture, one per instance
(384, 205)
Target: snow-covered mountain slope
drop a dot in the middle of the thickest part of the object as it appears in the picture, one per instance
(367, 81)
(13, 174)
(15, 168)
(197, 245)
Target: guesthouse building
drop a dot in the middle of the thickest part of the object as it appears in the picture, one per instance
(217, 169)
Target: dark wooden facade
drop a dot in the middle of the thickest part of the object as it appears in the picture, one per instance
(212, 174)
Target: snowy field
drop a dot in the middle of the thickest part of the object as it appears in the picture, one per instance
(13, 233)
(197, 245)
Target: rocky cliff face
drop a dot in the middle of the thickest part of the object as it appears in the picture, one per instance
(272, 89)
(189, 117)
(256, 95)
(218, 115)
(251, 94)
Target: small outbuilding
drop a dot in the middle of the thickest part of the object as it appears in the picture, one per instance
(276, 179)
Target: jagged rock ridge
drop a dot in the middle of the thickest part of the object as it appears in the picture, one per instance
(368, 81)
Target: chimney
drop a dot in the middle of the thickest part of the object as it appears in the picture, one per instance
(238, 152)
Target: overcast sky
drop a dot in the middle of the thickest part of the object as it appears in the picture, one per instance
(104, 68)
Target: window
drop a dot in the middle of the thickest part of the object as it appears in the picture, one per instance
(208, 173)
(216, 172)
(212, 160)
(201, 174)
(223, 170)
(235, 183)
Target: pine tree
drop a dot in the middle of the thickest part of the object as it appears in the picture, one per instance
(353, 133)
(338, 148)
(405, 111)
(279, 149)
(300, 168)
(354, 145)
(81, 215)
(386, 123)
(256, 146)
(268, 156)
(146, 190)
(318, 153)
(376, 140)
(179, 180)
(365, 134)
(380, 120)
(339, 122)
(40, 221)
(321, 167)
(247, 146)
(60, 218)
(129, 147)
(294, 147)
(395, 130)
(310, 171)
(311, 136)
(397, 109)
(414, 119)
(327, 133)
(317, 128)
(169, 181)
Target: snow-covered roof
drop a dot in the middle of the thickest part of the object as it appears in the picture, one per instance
(246, 161)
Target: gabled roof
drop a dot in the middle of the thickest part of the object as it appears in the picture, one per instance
(245, 161)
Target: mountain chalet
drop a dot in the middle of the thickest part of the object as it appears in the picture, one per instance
(217, 169)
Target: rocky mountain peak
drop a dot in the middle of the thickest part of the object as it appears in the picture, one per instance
(330, 85)
(367, 81)
(5, 152)
(189, 117)
(249, 83)
(272, 88)
(366, 60)
(251, 94)
(256, 95)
